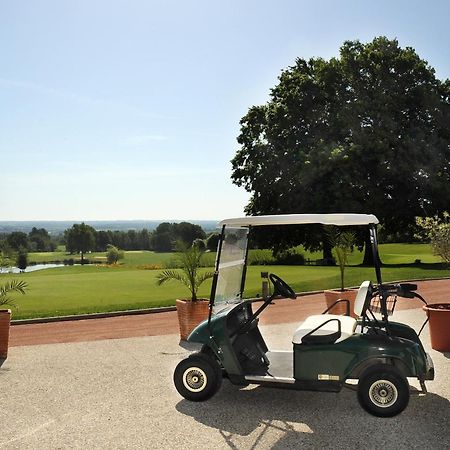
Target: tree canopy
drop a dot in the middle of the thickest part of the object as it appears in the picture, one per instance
(40, 240)
(365, 132)
(80, 238)
(167, 234)
(17, 240)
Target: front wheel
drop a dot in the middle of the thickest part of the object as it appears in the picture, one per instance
(196, 378)
(383, 391)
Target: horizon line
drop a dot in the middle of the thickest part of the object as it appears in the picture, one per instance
(107, 220)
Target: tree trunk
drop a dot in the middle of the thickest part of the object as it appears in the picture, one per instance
(82, 258)
(327, 254)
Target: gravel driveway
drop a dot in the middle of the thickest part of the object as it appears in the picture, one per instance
(119, 394)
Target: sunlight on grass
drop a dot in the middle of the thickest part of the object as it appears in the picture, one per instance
(99, 288)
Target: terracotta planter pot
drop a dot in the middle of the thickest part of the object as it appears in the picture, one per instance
(5, 322)
(190, 314)
(439, 317)
(341, 308)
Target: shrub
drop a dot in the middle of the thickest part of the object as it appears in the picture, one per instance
(289, 257)
(437, 231)
(22, 259)
(261, 258)
(150, 267)
(113, 254)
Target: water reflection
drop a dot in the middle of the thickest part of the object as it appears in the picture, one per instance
(30, 268)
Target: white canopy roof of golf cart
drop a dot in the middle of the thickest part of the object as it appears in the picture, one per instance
(298, 219)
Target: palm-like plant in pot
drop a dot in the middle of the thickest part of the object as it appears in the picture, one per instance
(193, 310)
(6, 289)
(343, 243)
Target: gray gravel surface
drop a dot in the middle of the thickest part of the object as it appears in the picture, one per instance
(118, 394)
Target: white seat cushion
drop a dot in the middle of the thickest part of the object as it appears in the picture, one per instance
(348, 326)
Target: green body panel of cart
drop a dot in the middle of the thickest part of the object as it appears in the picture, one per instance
(333, 362)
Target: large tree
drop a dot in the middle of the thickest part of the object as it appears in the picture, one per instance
(366, 132)
(40, 240)
(167, 234)
(80, 238)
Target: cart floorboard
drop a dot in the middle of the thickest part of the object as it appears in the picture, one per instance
(281, 367)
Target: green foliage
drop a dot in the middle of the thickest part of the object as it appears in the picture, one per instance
(368, 129)
(80, 238)
(127, 240)
(200, 244)
(22, 259)
(167, 234)
(10, 287)
(259, 257)
(212, 242)
(190, 275)
(289, 257)
(343, 243)
(17, 240)
(437, 231)
(6, 257)
(113, 254)
(162, 242)
(40, 241)
(188, 232)
(89, 288)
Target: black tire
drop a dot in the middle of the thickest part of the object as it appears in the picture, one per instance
(383, 391)
(196, 378)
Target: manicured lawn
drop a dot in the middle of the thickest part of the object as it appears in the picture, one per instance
(77, 289)
(74, 290)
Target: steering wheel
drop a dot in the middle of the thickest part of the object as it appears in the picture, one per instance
(281, 287)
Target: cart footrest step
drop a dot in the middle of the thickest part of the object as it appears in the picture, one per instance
(264, 378)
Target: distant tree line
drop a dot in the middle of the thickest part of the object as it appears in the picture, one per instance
(37, 240)
(81, 238)
(14, 247)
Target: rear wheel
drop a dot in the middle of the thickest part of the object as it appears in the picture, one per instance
(197, 377)
(383, 391)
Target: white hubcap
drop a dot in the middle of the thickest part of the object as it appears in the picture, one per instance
(383, 393)
(194, 379)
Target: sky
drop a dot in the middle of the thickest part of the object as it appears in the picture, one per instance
(131, 109)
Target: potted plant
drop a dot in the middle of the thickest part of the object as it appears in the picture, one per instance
(342, 243)
(5, 314)
(439, 319)
(193, 310)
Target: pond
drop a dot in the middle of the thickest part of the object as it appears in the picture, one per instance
(32, 268)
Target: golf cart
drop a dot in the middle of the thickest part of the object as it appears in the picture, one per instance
(328, 351)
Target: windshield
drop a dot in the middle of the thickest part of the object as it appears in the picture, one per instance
(231, 267)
